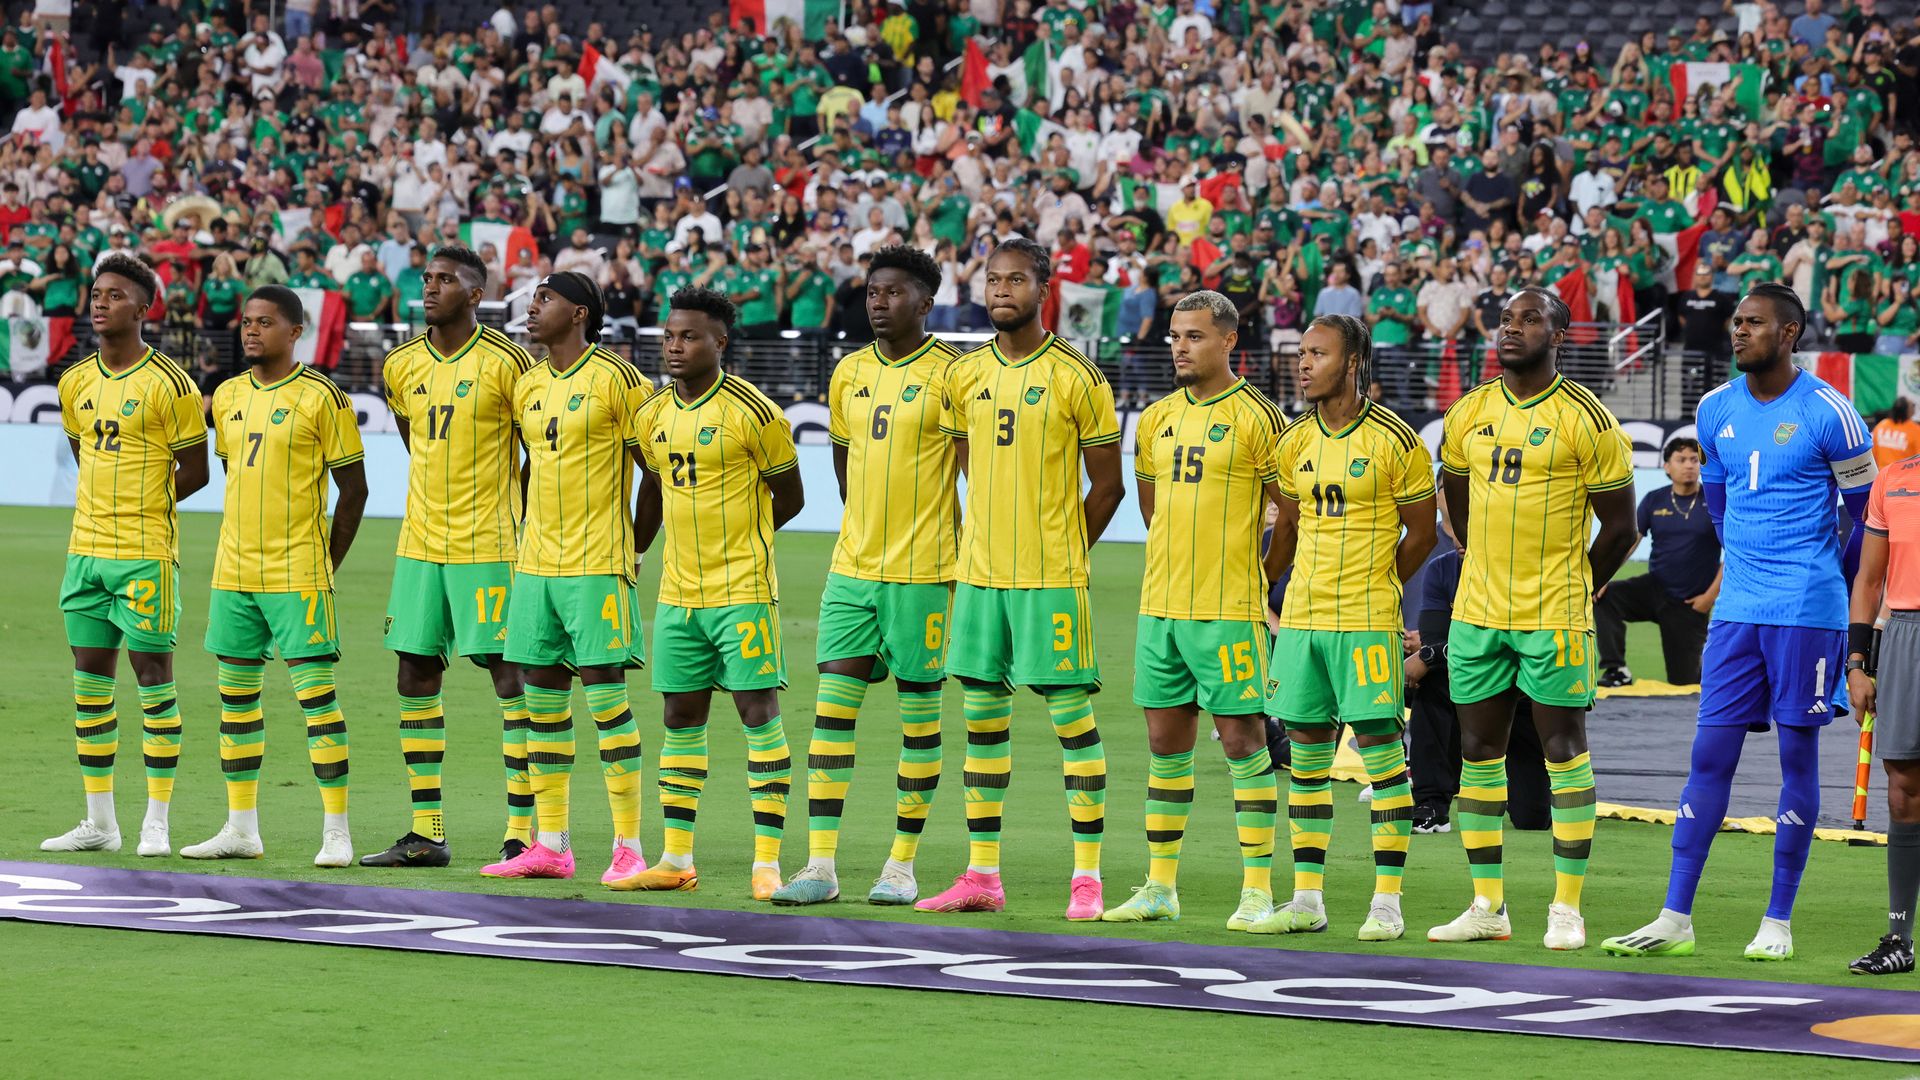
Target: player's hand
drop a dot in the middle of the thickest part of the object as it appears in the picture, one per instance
(1416, 669)
(1860, 692)
(1600, 592)
(1702, 603)
(1409, 642)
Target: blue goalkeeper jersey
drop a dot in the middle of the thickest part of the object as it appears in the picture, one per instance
(1783, 462)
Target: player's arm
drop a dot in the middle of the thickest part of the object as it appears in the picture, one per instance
(1286, 536)
(1143, 487)
(189, 468)
(73, 447)
(960, 454)
(1864, 607)
(1419, 523)
(789, 495)
(1458, 504)
(1104, 488)
(351, 481)
(1616, 538)
(840, 469)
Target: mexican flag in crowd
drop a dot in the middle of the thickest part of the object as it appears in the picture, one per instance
(811, 16)
(1090, 317)
(1872, 380)
(598, 69)
(1749, 96)
(26, 344)
(507, 240)
(319, 345)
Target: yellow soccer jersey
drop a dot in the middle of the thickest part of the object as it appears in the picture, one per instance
(278, 442)
(1529, 466)
(902, 521)
(577, 426)
(128, 426)
(1209, 463)
(1025, 421)
(463, 472)
(712, 456)
(1350, 485)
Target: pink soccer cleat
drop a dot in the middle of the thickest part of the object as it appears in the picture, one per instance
(971, 892)
(537, 861)
(1083, 900)
(626, 863)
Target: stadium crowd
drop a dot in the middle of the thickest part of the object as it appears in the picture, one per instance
(1304, 158)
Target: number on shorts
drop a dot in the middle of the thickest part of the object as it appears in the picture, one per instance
(313, 605)
(140, 596)
(1820, 679)
(936, 630)
(1371, 665)
(1062, 631)
(1569, 649)
(749, 647)
(610, 611)
(1236, 664)
(496, 593)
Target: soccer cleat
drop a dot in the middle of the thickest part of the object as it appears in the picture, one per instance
(336, 849)
(1566, 930)
(766, 882)
(1430, 819)
(1255, 904)
(155, 842)
(1893, 956)
(660, 877)
(1661, 937)
(1773, 942)
(1384, 921)
(894, 888)
(1083, 899)
(1614, 678)
(1478, 923)
(537, 861)
(1292, 917)
(626, 863)
(969, 892)
(410, 850)
(812, 885)
(85, 836)
(228, 843)
(1150, 902)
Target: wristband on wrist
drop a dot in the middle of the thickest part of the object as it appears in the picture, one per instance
(1860, 638)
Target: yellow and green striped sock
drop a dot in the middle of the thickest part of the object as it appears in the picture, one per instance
(830, 760)
(1482, 810)
(550, 750)
(1256, 794)
(1571, 784)
(423, 746)
(1310, 810)
(987, 772)
(769, 777)
(1391, 813)
(96, 731)
(313, 684)
(243, 733)
(917, 776)
(513, 753)
(160, 738)
(1169, 801)
(683, 775)
(619, 755)
(1083, 760)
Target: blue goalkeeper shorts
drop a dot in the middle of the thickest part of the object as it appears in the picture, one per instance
(1755, 676)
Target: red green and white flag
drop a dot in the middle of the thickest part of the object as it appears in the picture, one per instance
(1870, 380)
(320, 343)
(812, 16)
(1750, 95)
(598, 68)
(508, 242)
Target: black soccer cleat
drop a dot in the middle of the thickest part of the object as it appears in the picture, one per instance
(1614, 678)
(1893, 956)
(410, 850)
(1429, 819)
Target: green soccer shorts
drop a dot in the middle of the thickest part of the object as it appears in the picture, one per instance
(1023, 637)
(1218, 664)
(1323, 677)
(574, 622)
(256, 625)
(107, 602)
(445, 610)
(903, 625)
(723, 648)
(1553, 667)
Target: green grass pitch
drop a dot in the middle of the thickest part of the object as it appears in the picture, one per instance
(77, 1001)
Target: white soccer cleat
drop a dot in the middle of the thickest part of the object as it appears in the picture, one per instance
(1478, 923)
(1669, 935)
(154, 840)
(1566, 930)
(336, 849)
(85, 836)
(1773, 942)
(228, 843)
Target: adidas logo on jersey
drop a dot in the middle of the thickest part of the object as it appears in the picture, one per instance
(662, 437)
(1251, 693)
(319, 638)
(87, 404)
(933, 665)
(535, 407)
(502, 635)
(1063, 665)
(1306, 466)
(1725, 432)
(1579, 687)
(614, 644)
(1487, 431)
(421, 389)
(235, 416)
(1385, 698)
(146, 624)
(984, 396)
(1167, 434)
(767, 668)
(862, 392)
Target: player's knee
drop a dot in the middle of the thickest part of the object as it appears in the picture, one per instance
(1240, 736)
(906, 687)
(757, 707)
(418, 677)
(1903, 791)
(96, 661)
(507, 682)
(149, 669)
(858, 667)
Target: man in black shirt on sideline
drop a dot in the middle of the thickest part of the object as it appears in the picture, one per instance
(1707, 352)
(1681, 582)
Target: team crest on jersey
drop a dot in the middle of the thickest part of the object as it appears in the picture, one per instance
(1784, 432)
(461, 388)
(573, 403)
(1217, 432)
(1357, 468)
(1539, 435)
(707, 434)
(908, 393)
(127, 408)
(1034, 393)
(278, 415)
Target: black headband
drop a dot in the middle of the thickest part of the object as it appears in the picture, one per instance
(577, 288)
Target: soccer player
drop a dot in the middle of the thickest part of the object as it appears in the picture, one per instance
(451, 391)
(1890, 565)
(885, 604)
(1367, 528)
(718, 470)
(133, 425)
(280, 430)
(1030, 409)
(1205, 470)
(1528, 460)
(573, 606)
(1779, 444)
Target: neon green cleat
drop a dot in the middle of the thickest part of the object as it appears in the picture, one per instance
(1661, 937)
(1255, 904)
(1150, 902)
(1292, 917)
